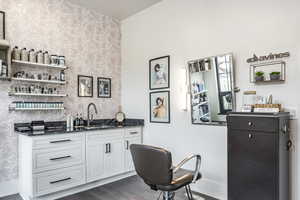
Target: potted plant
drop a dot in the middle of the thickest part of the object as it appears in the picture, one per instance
(275, 76)
(259, 76)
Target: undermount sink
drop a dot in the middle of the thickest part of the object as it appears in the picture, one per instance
(98, 127)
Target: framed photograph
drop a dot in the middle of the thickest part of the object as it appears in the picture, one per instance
(159, 73)
(160, 107)
(2, 25)
(85, 86)
(104, 87)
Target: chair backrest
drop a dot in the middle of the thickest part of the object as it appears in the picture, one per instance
(153, 164)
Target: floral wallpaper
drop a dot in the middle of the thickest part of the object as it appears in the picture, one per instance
(91, 44)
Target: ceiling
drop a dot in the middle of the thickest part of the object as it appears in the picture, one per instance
(119, 9)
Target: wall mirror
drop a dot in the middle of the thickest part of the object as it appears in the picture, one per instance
(212, 88)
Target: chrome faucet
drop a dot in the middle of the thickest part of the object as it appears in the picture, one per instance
(90, 117)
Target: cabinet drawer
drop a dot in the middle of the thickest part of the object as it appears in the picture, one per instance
(56, 180)
(266, 124)
(133, 132)
(48, 159)
(96, 136)
(58, 141)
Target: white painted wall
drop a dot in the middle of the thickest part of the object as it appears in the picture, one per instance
(193, 29)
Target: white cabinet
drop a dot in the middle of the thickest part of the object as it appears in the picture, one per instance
(129, 166)
(95, 153)
(64, 161)
(108, 153)
(114, 158)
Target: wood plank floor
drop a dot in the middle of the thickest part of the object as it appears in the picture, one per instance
(132, 188)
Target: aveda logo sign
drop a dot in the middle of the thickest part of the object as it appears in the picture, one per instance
(271, 56)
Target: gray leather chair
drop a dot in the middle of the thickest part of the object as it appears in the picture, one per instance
(154, 166)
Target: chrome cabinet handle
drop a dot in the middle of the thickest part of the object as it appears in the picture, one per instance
(250, 136)
(60, 141)
(62, 180)
(60, 158)
(250, 123)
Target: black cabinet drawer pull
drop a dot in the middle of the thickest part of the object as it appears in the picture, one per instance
(60, 158)
(60, 141)
(289, 145)
(106, 148)
(134, 133)
(62, 180)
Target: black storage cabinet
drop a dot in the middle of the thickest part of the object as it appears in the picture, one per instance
(258, 156)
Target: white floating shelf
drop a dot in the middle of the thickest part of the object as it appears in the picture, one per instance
(5, 78)
(38, 95)
(24, 63)
(36, 109)
(203, 91)
(38, 81)
(202, 103)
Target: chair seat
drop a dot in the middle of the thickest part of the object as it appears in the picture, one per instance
(180, 179)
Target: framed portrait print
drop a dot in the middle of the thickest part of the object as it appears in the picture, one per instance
(160, 107)
(85, 86)
(159, 73)
(104, 87)
(2, 25)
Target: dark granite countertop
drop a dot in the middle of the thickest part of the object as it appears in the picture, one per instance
(60, 127)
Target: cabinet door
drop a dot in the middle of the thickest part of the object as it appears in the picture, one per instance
(129, 166)
(114, 158)
(251, 165)
(95, 154)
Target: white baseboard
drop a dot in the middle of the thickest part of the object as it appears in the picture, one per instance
(8, 188)
(80, 188)
(210, 188)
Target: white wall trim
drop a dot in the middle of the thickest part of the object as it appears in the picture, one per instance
(211, 188)
(8, 188)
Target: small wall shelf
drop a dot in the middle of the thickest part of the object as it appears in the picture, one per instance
(37, 95)
(39, 81)
(200, 92)
(267, 69)
(24, 63)
(36, 109)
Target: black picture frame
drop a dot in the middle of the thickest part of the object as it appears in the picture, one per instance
(167, 85)
(168, 107)
(92, 86)
(109, 87)
(2, 13)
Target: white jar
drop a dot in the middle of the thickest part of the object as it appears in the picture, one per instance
(16, 54)
(40, 57)
(24, 55)
(62, 60)
(32, 56)
(46, 58)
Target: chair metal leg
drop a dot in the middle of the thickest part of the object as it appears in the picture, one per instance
(189, 192)
(168, 195)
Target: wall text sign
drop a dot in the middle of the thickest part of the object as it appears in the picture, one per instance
(271, 56)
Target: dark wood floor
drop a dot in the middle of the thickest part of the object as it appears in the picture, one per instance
(132, 188)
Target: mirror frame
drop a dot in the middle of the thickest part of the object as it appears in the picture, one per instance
(233, 86)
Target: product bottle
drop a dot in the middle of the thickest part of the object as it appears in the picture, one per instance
(62, 76)
(81, 121)
(76, 121)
